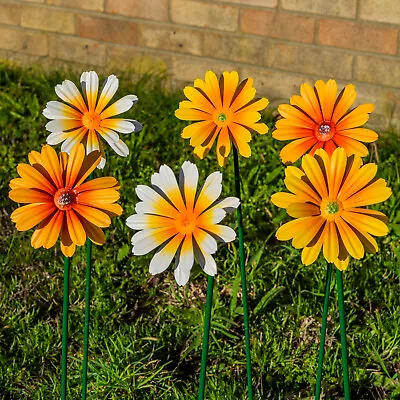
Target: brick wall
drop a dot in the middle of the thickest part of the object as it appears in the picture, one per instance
(280, 43)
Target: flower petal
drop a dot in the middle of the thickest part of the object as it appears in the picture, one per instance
(120, 106)
(90, 87)
(164, 256)
(110, 87)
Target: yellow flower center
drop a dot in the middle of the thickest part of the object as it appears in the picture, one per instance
(186, 223)
(91, 120)
(64, 199)
(325, 131)
(222, 117)
(331, 209)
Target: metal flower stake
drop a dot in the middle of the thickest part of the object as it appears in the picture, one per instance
(327, 200)
(228, 111)
(61, 204)
(182, 223)
(86, 118)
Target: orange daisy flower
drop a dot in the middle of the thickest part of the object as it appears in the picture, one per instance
(327, 198)
(225, 109)
(319, 119)
(59, 201)
(87, 118)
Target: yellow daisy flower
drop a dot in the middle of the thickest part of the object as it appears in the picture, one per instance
(327, 198)
(319, 119)
(179, 222)
(86, 118)
(225, 109)
(58, 200)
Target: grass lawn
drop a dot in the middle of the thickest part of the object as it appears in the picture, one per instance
(146, 332)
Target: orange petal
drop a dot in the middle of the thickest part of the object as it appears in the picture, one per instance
(294, 150)
(34, 178)
(345, 100)
(365, 223)
(94, 233)
(75, 228)
(355, 118)
(327, 93)
(283, 199)
(244, 95)
(230, 82)
(89, 164)
(93, 215)
(98, 196)
(198, 100)
(350, 145)
(314, 174)
(372, 194)
(26, 217)
(30, 196)
(299, 210)
(361, 134)
(292, 133)
(336, 171)
(295, 115)
(50, 233)
(188, 114)
(331, 242)
(301, 189)
(350, 239)
(97, 183)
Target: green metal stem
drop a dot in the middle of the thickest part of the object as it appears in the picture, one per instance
(87, 313)
(65, 330)
(243, 275)
(343, 335)
(87, 318)
(207, 324)
(323, 331)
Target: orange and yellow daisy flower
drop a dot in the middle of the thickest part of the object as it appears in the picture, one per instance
(327, 198)
(319, 119)
(173, 218)
(225, 109)
(86, 119)
(59, 201)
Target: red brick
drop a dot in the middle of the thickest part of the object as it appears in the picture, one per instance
(252, 50)
(94, 5)
(336, 8)
(74, 49)
(47, 19)
(278, 25)
(156, 10)
(107, 29)
(352, 35)
(378, 70)
(10, 14)
(380, 10)
(205, 15)
(170, 38)
(34, 43)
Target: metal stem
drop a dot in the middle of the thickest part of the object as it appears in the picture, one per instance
(206, 333)
(243, 276)
(65, 330)
(323, 331)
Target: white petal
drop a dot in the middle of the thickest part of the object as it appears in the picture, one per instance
(57, 110)
(205, 241)
(119, 106)
(223, 233)
(102, 163)
(72, 139)
(212, 216)
(210, 191)
(163, 257)
(185, 262)
(59, 125)
(90, 88)
(109, 89)
(120, 148)
(165, 180)
(188, 179)
(56, 137)
(148, 239)
(92, 142)
(229, 204)
(108, 135)
(121, 125)
(137, 222)
(68, 92)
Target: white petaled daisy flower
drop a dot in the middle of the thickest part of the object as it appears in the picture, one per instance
(180, 222)
(86, 118)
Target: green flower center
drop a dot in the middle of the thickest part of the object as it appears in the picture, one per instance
(332, 207)
(222, 117)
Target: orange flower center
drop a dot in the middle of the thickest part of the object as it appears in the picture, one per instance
(331, 209)
(222, 117)
(64, 199)
(186, 223)
(325, 131)
(91, 120)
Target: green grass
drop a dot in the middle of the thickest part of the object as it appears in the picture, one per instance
(146, 332)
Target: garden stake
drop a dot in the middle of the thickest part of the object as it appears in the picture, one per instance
(323, 331)
(206, 334)
(243, 275)
(65, 330)
(343, 335)
(87, 313)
